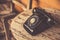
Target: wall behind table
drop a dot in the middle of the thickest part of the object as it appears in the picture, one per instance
(43, 3)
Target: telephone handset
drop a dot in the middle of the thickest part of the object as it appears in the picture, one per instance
(38, 22)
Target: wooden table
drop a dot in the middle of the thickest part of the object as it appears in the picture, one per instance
(20, 33)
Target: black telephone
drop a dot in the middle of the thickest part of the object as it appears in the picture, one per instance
(38, 22)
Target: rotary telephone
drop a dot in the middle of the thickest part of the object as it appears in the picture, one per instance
(38, 22)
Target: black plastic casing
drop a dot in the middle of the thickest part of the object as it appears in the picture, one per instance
(43, 21)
